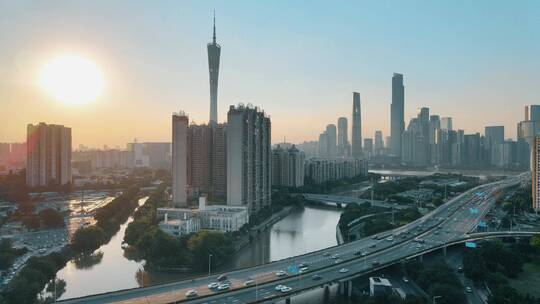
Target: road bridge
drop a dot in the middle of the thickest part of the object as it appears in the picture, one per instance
(449, 224)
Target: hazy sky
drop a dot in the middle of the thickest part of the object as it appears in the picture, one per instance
(476, 61)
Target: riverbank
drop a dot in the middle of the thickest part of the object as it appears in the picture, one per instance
(41, 271)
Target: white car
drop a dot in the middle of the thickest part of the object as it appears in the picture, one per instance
(249, 283)
(279, 287)
(213, 285)
(337, 261)
(281, 273)
(191, 293)
(285, 289)
(335, 256)
(344, 270)
(223, 286)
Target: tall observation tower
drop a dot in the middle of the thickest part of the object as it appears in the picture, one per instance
(214, 51)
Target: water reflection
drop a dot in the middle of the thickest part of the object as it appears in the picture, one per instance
(310, 229)
(87, 261)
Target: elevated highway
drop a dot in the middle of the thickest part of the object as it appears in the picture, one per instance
(447, 225)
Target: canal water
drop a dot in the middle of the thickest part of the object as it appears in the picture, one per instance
(302, 231)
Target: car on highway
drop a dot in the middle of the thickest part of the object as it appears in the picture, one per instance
(303, 269)
(191, 293)
(316, 277)
(405, 280)
(335, 256)
(249, 282)
(373, 246)
(375, 263)
(213, 285)
(468, 289)
(344, 270)
(222, 278)
(336, 261)
(285, 289)
(224, 286)
(281, 273)
(390, 239)
(278, 287)
(460, 269)
(326, 254)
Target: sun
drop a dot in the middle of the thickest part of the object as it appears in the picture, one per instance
(72, 79)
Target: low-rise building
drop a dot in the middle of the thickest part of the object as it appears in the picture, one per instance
(379, 286)
(182, 221)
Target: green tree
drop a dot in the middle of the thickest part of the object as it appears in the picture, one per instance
(87, 239)
(205, 243)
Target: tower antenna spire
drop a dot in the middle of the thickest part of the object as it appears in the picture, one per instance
(214, 27)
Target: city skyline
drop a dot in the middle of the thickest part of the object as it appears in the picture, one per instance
(142, 106)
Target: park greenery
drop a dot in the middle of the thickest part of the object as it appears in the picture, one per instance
(329, 186)
(437, 279)
(389, 190)
(108, 220)
(31, 280)
(495, 262)
(519, 201)
(40, 270)
(8, 254)
(381, 221)
(164, 251)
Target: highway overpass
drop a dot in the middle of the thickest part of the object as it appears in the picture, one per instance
(345, 200)
(447, 225)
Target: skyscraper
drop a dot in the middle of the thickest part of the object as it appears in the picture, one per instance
(343, 137)
(248, 158)
(397, 116)
(535, 166)
(368, 148)
(179, 158)
(494, 135)
(446, 123)
(48, 155)
(331, 140)
(356, 141)
(379, 143)
(214, 51)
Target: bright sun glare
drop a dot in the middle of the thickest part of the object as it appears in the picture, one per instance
(72, 79)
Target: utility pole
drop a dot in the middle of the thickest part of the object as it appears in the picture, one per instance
(209, 263)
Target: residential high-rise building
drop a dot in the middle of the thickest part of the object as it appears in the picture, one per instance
(472, 150)
(218, 151)
(494, 135)
(535, 168)
(356, 140)
(323, 145)
(534, 110)
(180, 149)
(287, 167)
(214, 51)
(379, 144)
(343, 137)
(248, 158)
(446, 123)
(199, 143)
(331, 140)
(368, 147)
(48, 155)
(397, 116)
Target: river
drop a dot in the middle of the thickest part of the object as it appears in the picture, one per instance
(302, 231)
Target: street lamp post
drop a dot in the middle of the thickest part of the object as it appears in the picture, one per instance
(209, 263)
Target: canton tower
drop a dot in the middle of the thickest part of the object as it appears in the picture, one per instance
(214, 51)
